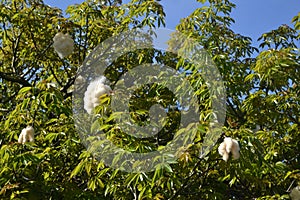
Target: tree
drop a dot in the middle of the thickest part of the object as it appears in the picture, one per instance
(262, 88)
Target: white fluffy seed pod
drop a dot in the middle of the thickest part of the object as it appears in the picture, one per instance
(295, 193)
(63, 44)
(228, 146)
(94, 91)
(27, 135)
(223, 152)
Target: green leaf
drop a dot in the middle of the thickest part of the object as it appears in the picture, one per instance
(25, 90)
(77, 169)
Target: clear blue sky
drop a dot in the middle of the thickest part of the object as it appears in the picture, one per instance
(253, 17)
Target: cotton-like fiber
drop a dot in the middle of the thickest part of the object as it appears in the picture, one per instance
(227, 147)
(63, 44)
(223, 152)
(27, 135)
(94, 91)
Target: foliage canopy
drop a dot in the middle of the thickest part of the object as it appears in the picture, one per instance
(263, 96)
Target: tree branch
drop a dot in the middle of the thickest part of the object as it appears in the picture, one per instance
(19, 80)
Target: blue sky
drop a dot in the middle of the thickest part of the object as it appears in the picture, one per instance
(252, 17)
